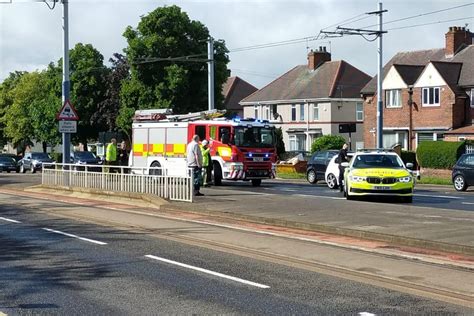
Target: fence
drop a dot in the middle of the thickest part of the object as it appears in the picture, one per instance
(154, 181)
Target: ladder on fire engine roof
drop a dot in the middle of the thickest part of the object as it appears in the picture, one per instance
(165, 115)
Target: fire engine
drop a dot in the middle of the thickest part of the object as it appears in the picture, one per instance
(241, 149)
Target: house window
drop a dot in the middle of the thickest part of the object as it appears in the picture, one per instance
(293, 112)
(359, 111)
(472, 98)
(266, 112)
(315, 112)
(423, 137)
(297, 142)
(430, 96)
(255, 108)
(393, 99)
(302, 112)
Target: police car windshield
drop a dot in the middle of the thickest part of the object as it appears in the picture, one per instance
(254, 137)
(377, 161)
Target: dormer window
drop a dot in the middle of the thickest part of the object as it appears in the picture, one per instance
(430, 96)
(393, 98)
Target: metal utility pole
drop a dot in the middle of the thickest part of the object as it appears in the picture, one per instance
(66, 83)
(379, 82)
(210, 73)
(341, 31)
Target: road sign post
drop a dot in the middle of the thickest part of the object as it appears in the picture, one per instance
(67, 118)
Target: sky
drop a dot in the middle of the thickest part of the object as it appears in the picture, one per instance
(31, 33)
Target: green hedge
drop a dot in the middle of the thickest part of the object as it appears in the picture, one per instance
(439, 154)
(327, 142)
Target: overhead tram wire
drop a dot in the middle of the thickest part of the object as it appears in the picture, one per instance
(51, 7)
(429, 23)
(422, 14)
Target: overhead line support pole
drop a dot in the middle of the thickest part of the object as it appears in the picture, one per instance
(210, 71)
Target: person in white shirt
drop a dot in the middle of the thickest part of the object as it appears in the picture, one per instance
(194, 161)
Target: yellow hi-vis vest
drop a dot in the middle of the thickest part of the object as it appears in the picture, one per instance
(111, 154)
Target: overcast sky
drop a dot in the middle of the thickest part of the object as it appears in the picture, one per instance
(31, 35)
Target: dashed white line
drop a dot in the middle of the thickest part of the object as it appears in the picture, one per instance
(467, 203)
(75, 236)
(366, 314)
(440, 196)
(320, 196)
(9, 220)
(225, 276)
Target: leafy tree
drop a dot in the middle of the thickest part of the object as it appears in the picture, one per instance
(177, 84)
(105, 117)
(327, 142)
(88, 76)
(6, 100)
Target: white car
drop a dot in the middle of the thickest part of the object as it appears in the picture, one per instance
(332, 172)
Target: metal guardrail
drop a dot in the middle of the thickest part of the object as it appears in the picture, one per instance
(154, 181)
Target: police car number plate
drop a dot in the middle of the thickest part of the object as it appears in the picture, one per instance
(382, 188)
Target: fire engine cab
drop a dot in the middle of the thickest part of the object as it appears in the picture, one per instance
(241, 149)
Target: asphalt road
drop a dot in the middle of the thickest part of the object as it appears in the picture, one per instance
(53, 265)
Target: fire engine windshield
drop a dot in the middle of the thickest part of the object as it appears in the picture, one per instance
(254, 137)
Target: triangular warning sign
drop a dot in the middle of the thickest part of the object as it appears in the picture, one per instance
(67, 112)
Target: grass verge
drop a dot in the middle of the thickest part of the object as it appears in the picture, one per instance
(435, 180)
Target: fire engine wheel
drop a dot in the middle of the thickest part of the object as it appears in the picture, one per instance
(155, 172)
(217, 173)
(256, 182)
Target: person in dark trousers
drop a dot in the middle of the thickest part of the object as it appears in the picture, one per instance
(342, 157)
(123, 156)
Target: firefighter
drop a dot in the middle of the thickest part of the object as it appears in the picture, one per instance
(206, 163)
(111, 154)
(194, 162)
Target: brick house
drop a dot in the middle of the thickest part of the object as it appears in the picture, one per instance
(234, 90)
(426, 94)
(312, 100)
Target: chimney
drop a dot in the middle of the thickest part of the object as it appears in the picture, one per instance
(317, 58)
(456, 37)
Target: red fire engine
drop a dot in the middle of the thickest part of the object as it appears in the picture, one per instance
(241, 149)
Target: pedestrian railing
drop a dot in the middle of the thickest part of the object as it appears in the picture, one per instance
(155, 181)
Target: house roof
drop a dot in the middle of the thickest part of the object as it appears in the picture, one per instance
(409, 73)
(332, 79)
(234, 90)
(423, 57)
(450, 72)
(462, 130)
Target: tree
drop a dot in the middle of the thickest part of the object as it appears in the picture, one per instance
(180, 85)
(105, 117)
(6, 100)
(327, 142)
(88, 76)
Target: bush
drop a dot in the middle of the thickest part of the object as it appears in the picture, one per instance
(280, 144)
(58, 157)
(439, 154)
(327, 142)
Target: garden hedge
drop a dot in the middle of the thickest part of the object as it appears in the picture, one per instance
(439, 154)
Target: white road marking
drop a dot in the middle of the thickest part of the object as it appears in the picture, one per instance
(3, 314)
(9, 220)
(262, 286)
(366, 314)
(320, 196)
(440, 196)
(289, 190)
(75, 236)
(467, 203)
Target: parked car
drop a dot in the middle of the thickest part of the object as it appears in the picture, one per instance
(317, 164)
(378, 173)
(81, 158)
(15, 157)
(33, 161)
(332, 172)
(8, 164)
(463, 172)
